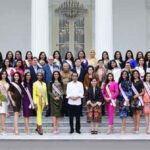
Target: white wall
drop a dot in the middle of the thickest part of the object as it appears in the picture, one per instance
(129, 27)
(15, 25)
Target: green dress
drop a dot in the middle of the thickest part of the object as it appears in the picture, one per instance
(56, 90)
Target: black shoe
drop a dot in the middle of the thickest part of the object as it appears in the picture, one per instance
(92, 132)
(71, 131)
(79, 132)
(95, 132)
(47, 115)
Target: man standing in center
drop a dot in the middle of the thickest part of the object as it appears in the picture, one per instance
(74, 94)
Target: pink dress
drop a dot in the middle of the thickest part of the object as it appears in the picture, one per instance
(114, 89)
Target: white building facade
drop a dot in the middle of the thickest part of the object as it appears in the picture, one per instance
(108, 25)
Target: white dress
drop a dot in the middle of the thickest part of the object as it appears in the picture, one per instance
(3, 89)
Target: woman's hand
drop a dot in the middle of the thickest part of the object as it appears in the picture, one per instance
(13, 103)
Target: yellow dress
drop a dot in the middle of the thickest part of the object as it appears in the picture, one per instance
(92, 61)
(40, 99)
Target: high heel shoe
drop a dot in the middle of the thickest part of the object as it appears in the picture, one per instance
(16, 132)
(110, 130)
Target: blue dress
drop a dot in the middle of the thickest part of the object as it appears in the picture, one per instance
(126, 86)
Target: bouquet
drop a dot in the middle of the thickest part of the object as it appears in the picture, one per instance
(2, 97)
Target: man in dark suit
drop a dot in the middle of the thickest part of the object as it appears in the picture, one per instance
(34, 68)
(80, 71)
(48, 72)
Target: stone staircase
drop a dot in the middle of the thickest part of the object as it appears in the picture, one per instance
(64, 124)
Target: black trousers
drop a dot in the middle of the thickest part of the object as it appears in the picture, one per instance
(48, 111)
(74, 111)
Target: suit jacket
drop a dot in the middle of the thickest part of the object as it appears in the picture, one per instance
(97, 97)
(33, 73)
(48, 73)
(81, 75)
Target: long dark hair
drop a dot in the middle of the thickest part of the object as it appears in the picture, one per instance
(97, 67)
(22, 66)
(144, 65)
(109, 64)
(132, 77)
(1, 59)
(83, 54)
(18, 51)
(126, 57)
(146, 59)
(25, 80)
(4, 66)
(103, 54)
(115, 55)
(45, 59)
(121, 78)
(137, 59)
(12, 59)
(59, 79)
(59, 56)
(107, 80)
(27, 54)
(1, 73)
(90, 66)
(13, 79)
(72, 58)
(145, 76)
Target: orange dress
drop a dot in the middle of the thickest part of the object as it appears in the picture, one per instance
(146, 99)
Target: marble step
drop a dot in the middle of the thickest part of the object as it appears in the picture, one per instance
(83, 129)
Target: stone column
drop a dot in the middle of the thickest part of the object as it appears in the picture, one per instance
(103, 27)
(39, 27)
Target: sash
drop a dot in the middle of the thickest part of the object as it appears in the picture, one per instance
(41, 90)
(31, 106)
(147, 87)
(27, 63)
(17, 87)
(113, 101)
(139, 97)
(124, 95)
(70, 63)
(57, 90)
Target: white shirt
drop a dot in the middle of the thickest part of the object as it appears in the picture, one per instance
(74, 89)
(51, 68)
(78, 71)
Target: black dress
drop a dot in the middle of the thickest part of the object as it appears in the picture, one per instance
(16, 96)
(134, 103)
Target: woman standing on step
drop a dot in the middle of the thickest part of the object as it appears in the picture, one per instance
(110, 93)
(15, 95)
(137, 99)
(146, 99)
(4, 101)
(94, 97)
(124, 97)
(56, 95)
(27, 103)
(40, 99)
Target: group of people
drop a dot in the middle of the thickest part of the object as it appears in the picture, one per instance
(63, 87)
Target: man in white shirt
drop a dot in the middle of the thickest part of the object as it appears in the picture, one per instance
(74, 94)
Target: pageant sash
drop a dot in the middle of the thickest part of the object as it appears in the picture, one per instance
(41, 90)
(27, 63)
(124, 95)
(57, 90)
(31, 106)
(113, 101)
(17, 87)
(140, 97)
(147, 87)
